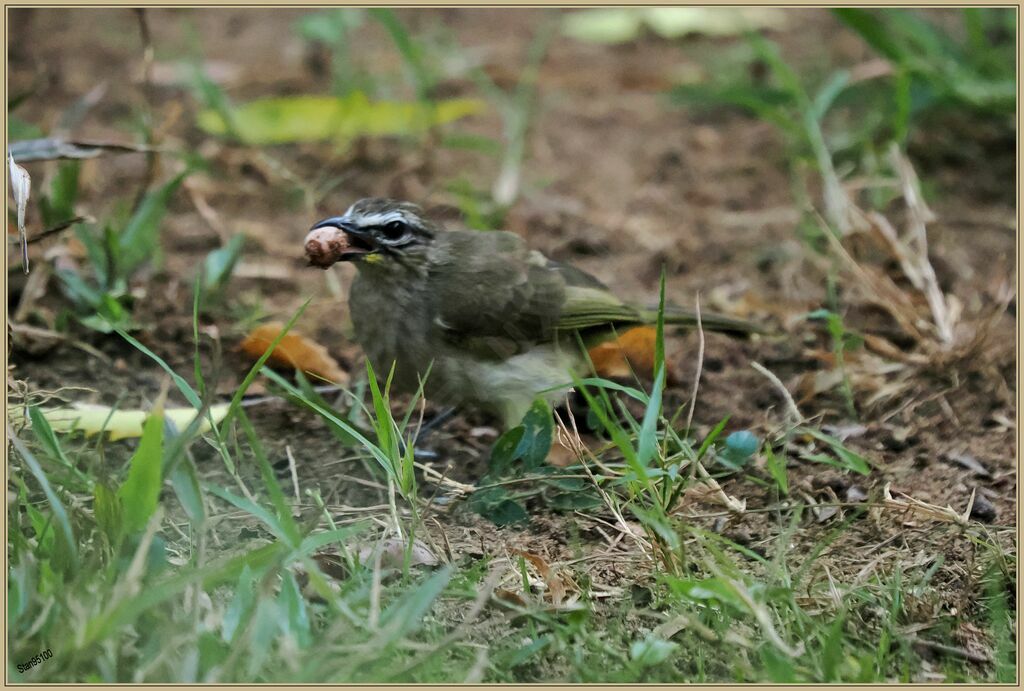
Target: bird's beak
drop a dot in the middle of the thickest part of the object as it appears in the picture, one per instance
(357, 242)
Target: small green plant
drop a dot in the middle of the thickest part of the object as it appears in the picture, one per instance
(100, 583)
(393, 450)
(215, 272)
(517, 110)
(333, 30)
(116, 250)
(421, 74)
(843, 341)
(933, 69)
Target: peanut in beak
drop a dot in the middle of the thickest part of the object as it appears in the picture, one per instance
(324, 246)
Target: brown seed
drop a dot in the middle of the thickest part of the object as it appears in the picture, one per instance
(324, 246)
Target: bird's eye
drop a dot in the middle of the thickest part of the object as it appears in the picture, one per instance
(394, 230)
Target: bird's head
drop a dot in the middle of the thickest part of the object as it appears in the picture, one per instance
(383, 233)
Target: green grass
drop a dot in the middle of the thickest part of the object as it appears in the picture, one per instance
(98, 575)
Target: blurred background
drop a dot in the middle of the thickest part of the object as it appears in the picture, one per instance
(780, 165)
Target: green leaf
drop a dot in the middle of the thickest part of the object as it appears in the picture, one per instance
(70, 545)
(219, 264)
(138, 241)
(383, 422)
(712, 588)
(408, 48)
(651, 651)
(848, 460)
(538, 430)
(712, 436)
(828, 94)
(59, 204)
(293, 119)
(776, 467)
(647, 440)
(107, 509)
(42, 526)
(295, 619)
(575, 501)
(405, 615)
(259, 512)
(867, 24)
(239, 606)
(185, 482)
(265, 626)
(277, 498)
(44, 433)
(658, 523)
(140, 492)
(495, 504)
(504, 452)
(614, 386)
(330, 26)
(325, 413)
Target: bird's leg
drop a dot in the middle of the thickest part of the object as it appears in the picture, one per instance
(435, 423)
(425, 431)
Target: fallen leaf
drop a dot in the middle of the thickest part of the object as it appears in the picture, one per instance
(122, 424)
(969, 462)
(621, 24)
(510, 597)
(294, 350)
(631, 351)
(317, 118)
(555, 585)
(673, 22)
(561, 456)
(21, 187)
(332, 565)
(392, 554)
(55, 148)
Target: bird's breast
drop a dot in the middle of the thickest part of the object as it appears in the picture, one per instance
(392, 324)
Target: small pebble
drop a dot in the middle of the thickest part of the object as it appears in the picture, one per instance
(983, 510)
(855, 495)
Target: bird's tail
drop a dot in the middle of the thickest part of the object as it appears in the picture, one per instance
(710, 321)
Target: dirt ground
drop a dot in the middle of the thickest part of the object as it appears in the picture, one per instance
(616, 182)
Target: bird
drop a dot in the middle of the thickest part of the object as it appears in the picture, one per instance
(476, 317)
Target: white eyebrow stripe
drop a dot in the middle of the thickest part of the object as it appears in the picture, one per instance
(381, 219)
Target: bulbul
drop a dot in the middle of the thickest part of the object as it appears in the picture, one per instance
(487, 321)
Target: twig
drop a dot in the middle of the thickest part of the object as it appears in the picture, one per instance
(791, 408)
(951, 650)
(291, 467)
(574, 442)
(920, 215)
(700, 368)
(733, 504)
(440, 479)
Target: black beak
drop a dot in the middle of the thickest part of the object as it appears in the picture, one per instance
(360, 241)
(337, 222)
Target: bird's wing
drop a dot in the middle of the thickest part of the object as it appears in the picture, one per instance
(589, 303)
(495, 297)
(492, 295)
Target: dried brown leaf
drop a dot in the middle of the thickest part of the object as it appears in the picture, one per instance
(294, 350)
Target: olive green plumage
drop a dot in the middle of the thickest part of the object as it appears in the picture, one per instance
(494, 321)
